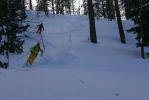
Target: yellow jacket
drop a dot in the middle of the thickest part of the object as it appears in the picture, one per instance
(36, 49)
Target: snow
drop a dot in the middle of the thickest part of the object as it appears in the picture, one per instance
(72, 68)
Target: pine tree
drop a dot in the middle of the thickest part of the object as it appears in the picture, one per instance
(110, 9)
(53, 9)
(42, 5)
(85, 6)
(73, 6)
(138, 11)
(11, 29)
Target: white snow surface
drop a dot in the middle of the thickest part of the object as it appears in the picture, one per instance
(72, 68)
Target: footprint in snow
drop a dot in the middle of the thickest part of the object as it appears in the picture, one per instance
(82, 81)
(117, 94)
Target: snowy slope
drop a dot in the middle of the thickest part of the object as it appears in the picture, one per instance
(72, 68)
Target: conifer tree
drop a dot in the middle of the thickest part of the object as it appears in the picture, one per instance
(42, 5)
(11, 28)
(138, 11)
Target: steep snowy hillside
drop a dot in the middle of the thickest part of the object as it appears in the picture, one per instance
(72, 68)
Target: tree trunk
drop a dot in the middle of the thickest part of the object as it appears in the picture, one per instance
(61, 7)
(72, 6)
(57, 6)
(53, 7)
(93, 37)
(30, 5)
(119, 22)
(103, 9)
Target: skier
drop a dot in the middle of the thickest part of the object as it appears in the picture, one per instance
(40, 28)
(34, 52)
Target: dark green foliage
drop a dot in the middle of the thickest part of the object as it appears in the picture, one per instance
(3, 65)
(102, 8)
(138, 11)
(42, 5)
(11, 28)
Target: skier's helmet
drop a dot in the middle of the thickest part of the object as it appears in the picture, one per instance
(38, 44)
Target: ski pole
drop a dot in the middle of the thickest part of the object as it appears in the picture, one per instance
(42, 42)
